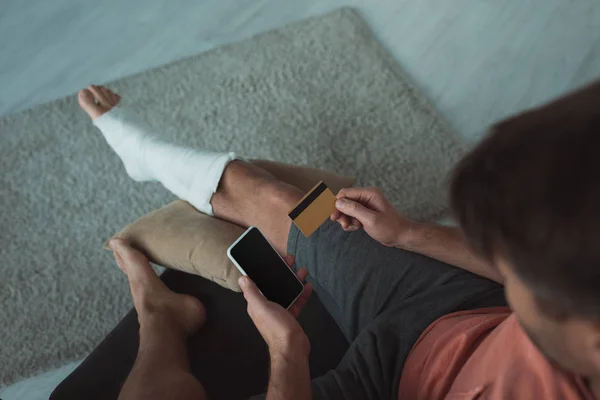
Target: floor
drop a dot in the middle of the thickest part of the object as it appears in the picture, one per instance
(477, 60)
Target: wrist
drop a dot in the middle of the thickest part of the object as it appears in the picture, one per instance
(411, 235)
(292, 348)
(290, 371)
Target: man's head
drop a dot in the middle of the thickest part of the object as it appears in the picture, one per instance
(528, 199)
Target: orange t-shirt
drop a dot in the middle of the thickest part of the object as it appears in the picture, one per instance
(483, 354)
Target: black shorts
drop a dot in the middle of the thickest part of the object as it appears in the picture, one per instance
(382, 298)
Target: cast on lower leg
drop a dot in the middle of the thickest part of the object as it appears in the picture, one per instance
(192, 175)
(248, 195)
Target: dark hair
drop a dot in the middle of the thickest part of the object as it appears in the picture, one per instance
(530, 192)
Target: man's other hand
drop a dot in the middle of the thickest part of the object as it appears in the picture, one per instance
(278, 326)
(368, 208)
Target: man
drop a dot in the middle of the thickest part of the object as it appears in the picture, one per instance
(420, 308)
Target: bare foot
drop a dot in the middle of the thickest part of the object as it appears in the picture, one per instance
(96, 100)
(151, 297)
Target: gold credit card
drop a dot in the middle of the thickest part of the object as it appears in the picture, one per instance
(313, 209)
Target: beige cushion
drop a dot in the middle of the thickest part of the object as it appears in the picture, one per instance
(177, 236)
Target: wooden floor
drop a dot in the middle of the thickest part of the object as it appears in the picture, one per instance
(477, 60)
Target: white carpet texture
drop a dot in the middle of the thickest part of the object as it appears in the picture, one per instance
(320, 92)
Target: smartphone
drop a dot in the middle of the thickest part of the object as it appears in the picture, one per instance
(256, 258)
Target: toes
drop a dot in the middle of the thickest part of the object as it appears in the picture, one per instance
(96, 100)
(110, 96)
(88, 104)
(128, 255)
(100, 96)
(85, 97)
(116, 96)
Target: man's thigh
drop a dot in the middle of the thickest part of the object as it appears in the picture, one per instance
(359, 279)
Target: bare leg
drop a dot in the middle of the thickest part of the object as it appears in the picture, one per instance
(250, 196)
(161, 370)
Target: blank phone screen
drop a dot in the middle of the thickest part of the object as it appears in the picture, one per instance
(266, 268)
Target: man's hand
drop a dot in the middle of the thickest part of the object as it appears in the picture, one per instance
(277, 325)
(288, 345)
(368, 208)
